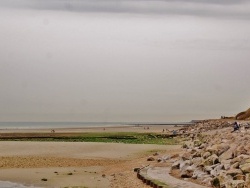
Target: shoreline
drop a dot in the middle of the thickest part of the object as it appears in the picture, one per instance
(122, 128)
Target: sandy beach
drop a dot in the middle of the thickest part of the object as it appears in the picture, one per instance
(68, 164)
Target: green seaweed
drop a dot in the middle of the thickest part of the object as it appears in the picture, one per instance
(108, 137)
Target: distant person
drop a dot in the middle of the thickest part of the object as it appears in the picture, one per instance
(236, 126)
(163, 130)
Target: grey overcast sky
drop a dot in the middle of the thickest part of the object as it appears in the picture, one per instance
(123, 60)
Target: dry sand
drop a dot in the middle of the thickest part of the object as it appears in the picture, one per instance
(65, 164)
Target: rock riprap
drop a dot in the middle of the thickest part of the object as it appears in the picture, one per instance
(220, 159)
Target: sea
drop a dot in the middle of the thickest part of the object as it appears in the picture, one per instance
(54, 125)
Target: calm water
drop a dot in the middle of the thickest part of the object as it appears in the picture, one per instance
(49, 125)
(7, 184)
(45, 125)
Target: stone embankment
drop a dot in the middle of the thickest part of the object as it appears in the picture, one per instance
(220, 159)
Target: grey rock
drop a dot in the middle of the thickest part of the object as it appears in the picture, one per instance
(196, 161)
(235, 165)
(245, 167)
(186, 156)
(207, 181)
(206, 154)
(199, 174)
(237, 183)
(184, 164)
(176, 164)
(187, 172)
(233, 172)
(213, 159)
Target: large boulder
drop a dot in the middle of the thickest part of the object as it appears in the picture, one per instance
(239, 177)
(186, 156)
(213, 159)
(239, 151)
(218, 149)
(196, 161)
(196, 154)
(237, 183)
(207, 181)
(223, 147)
(226, 164)
(224, 179)
(240, 158)
(245, 166)
(235, 165)
(187, 172)
(228, 154)
(233, 172)
(217, 170)
(184, 164)
(216, 182)
(176, 164)
(247, 181)
(212, 149)
(199, 174)
(206, 154)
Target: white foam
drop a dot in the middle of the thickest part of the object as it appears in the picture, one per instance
(7, 184)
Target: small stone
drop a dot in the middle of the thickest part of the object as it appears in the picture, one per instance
(174, 156)
(136, 169)
(155, 154)
(151, 159)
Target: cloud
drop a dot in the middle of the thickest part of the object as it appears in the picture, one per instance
(89, 65)
(234, 9)
(224, 2)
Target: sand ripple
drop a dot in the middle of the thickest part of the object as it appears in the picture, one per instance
(40, 162)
